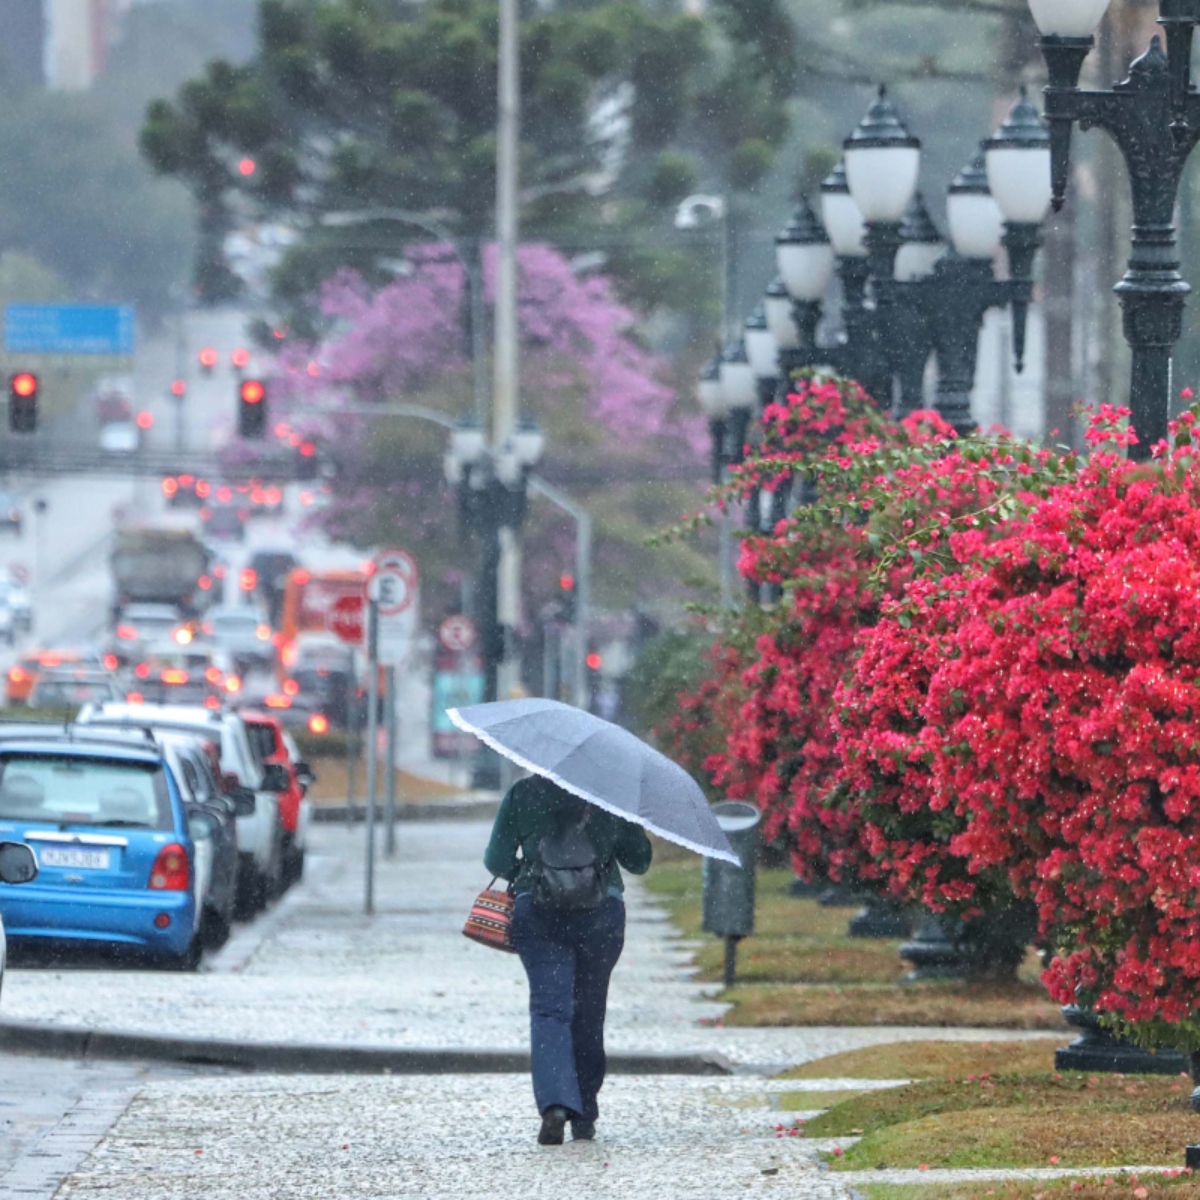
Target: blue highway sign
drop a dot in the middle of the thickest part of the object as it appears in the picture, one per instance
(69, 329)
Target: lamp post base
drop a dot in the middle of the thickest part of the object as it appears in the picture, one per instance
(1098, 1050)
(879, 919)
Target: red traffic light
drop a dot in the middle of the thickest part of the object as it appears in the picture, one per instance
(240, 357)
(178, 387)
(144, 420)
(566, 583)
(252, 391)
(24, 384)
(247, 166)
(594, 661)
(208, 358)
(307, 449)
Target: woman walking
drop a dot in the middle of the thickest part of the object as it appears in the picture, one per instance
(563, 857)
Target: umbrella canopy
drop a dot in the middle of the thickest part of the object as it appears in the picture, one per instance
(603, 764)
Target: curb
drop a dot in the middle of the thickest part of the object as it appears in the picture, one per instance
(19, 1037)
(452, 810)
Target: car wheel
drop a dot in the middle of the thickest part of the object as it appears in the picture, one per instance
(216, 929)
(189, 960)
(249, 894)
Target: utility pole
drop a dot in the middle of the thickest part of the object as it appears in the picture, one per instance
(506, 387)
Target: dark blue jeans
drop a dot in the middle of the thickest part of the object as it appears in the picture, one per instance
(568, 958)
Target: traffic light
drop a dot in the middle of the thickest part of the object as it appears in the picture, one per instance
(306, 461)
(568, 594)
(252, 409)
(22, 402)
(208, 360)
(240, 359)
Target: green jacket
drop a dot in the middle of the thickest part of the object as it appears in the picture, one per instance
(526, 815)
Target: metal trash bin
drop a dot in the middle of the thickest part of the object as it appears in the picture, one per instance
(728, 909)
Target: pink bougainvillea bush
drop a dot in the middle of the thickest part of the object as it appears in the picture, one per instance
(983, 683)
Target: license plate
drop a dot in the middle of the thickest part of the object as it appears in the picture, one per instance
(80, 860)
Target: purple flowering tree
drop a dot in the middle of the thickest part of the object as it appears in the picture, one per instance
(614, 425)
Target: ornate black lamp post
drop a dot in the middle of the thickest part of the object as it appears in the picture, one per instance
(1154, 118)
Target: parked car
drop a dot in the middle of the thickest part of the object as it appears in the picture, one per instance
(120, 437)
(69, 687)
(275, 745)
(12, 513)
(167, 673)
(243, 633)
(202, 792)
(115, 847)
(260, 834)
(16, 598)
(24, 674)
(17, 866)
(225, 520)
(149, 623)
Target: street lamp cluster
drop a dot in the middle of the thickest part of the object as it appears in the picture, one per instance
(493, 492)
(906, 293)
(1154, 118)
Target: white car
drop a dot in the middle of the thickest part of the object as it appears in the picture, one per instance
(260, 835)
(17, 865)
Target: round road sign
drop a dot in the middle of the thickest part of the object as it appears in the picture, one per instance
(394, 584)
(457, 633)
(346, 619)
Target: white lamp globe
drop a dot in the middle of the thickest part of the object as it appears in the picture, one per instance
(842, 218)
(761, 348)
(777, 304)
(804, 255)
(922, 247)
(739, 385)
(976, 223)
(1068, 18)
(1018, 164)
(883, 161)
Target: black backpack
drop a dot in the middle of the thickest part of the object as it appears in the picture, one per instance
(567, 874)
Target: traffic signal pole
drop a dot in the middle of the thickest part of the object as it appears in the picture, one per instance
(372, 751)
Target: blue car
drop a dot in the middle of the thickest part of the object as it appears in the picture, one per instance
(115, 849)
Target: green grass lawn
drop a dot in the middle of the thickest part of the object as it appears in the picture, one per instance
(802, 968)
(1117, 1186)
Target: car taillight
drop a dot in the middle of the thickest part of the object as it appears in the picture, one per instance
(263, 633)
(204, 583)
(135, 697)
(171, 871)
(249, 579)
(233, 684)
(142, 670)
(175, 676)
(277, 701)
(220, 570)
(206, 515)
(170, 488)
(318, 723)
(291, 687)
(186, 480)
(127, 633)
(111, 662)
(203, 489)
(224, 494)
(213, 674)
(212, 702)
(17, 675)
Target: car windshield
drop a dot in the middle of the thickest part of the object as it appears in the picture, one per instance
(84, 791)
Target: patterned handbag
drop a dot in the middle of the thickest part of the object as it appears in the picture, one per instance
(490, 922)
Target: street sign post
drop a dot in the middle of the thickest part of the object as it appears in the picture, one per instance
(372, 748)
(99, 329)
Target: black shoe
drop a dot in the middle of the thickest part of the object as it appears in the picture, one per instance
(553, 1121)
(583, 1131)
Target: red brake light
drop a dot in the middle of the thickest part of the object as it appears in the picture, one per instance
(301, 577)
(208, 357)
(127, 633)
(249, 579)
(142, 670)
(233, 684)
(144, 420)
(277, 701)
(594, 661)
(224, 494)
(171, 675)
(291, 687)
(135, 697)
(204, 583)
(212, 702)
(203, 487)
(213, 674)
(111, 662)
(220, 570)
(240, 357)
(17, 675)
(318, 723)
(186, 480)
(171, 871)
(170, 487)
